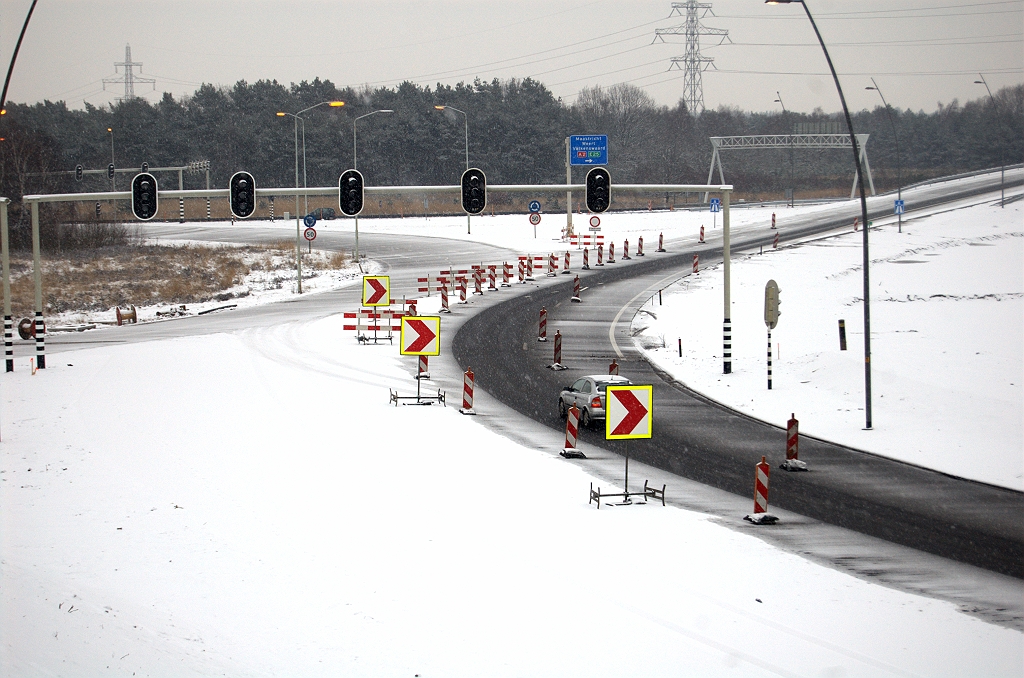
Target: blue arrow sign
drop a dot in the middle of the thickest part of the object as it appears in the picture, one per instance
(716, 205)
(899, 209)
(309, 220)
(588, 149)
(535, 206)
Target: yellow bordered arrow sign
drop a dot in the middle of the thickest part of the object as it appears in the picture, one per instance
(376, 290)
(421, 335)
(629, 412)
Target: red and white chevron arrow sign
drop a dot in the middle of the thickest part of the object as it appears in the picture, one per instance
(629, 412)
(376, 290)
(421, 335)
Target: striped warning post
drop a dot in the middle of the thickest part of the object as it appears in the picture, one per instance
(558, 347)
(444, 299)
(565, 269)
(181, 210)
(727, 346)
(529, 267)
(461, 282)
(600, 255)
(696, 263)
(572, 427)
(611, 253)
(769, 360)
(207, 208)
(640, 246)
(542, 328)
(40, 341)
(792, 462)
(775, 242)
(552, 265)
(613, 368)
(702, 234)
(773, 219)
(586, 259)
(625, 250)
(761, 474)
(9, 342)
(478, 281)
(492, 276)
(661, 242)
(506, 274)
(467, 392)
(271, 209)
(422, 372)
(576, 290)
(522, 270)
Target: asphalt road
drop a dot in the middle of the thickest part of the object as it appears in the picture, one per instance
(704, 441)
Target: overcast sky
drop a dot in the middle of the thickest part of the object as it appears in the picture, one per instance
(920, 52)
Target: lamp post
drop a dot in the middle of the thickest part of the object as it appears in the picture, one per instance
(1002, 156)
(899, 180)
(355, 166)
(792, 188)
(466, 120)
(297, 117)
(110, 131)
(863, 212)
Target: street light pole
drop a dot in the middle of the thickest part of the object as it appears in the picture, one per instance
(789, 136)
(899, 180)
(863, 212)
(355, 166)
(1002, 155)
(466, 120)
(298, 236)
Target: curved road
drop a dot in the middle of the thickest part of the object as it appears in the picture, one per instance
(702, 440)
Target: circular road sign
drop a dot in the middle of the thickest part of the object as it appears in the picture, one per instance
(309, 233)
(535, 206)
(310, 221)
(534, 218)
(595, 221)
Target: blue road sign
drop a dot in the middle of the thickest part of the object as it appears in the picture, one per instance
(716, 205)
(588, 149)
(309, 220)
(535, 206)
(899, 209)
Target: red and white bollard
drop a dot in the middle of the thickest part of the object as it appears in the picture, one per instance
(640, 246)
(423, 372)
(600, 255)
(478, 281)
(492, 276)
(467, 392)
(576, 291)
(773, 219)
(542, 328)
(611, 253)
(696, 262)
(412, 307)
(775, 243)
(552, 265)
(558, 351)
(444, 298)
(529, 267)
(572, 430)
(522, 271)
(613, 368)
(506, 274)
(565, 269)
(625, 249)
(661, 242)
(792, 462)
(462, 290)
(760, 516)
(856, 220)
(586, 258)
(702, 234)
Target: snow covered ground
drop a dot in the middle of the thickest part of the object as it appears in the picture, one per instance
(947, 319)
(250, 504)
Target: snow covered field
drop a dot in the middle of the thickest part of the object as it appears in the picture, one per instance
(947, 319)
(249, 504)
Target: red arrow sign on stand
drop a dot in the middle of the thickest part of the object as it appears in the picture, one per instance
(375, 290)
(420, 335)
(629, 412)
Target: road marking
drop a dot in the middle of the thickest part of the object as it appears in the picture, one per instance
(615, 320)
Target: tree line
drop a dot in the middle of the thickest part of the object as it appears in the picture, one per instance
(516, 128)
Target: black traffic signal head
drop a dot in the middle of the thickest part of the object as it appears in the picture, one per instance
(599, 189)
(242, 192)
(110, 171)
(144, 196)
(474, 191)
(350, 192)
(79, 171)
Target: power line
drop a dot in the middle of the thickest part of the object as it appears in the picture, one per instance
(129, 76)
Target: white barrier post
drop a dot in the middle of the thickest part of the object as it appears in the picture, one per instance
(467, 392)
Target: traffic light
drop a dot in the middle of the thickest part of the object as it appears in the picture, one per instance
(772, 300)
(242, 189)
(145, 167)
(144, 196)
(350, 192)
(110, 171)
(599, 189)
(79, 172)
(474, 191)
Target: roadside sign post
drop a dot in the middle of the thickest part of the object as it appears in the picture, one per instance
(420, 336)
(310, 235)
(534, 219)
(716, 207)
(629, 414)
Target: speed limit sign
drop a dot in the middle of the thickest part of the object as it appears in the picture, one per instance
(309, 234)
(534, 218)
